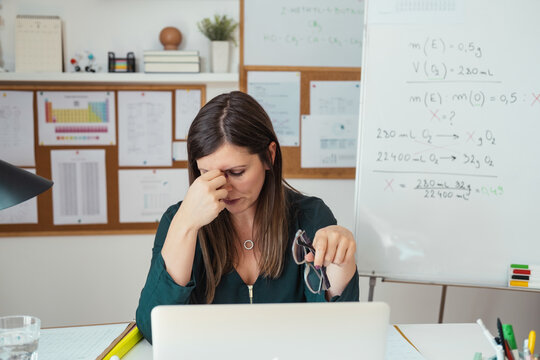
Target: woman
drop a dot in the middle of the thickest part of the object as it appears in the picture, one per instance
(230, 239)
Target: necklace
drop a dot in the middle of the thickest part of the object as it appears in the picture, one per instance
(248, 244)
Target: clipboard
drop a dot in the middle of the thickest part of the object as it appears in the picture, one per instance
(123, 343)
(96, 341)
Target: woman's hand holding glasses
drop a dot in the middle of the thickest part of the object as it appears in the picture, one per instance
(331, 255)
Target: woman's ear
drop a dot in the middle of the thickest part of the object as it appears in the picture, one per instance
(272, 150)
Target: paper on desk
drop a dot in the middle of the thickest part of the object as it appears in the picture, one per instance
(397, 347)
(77, 343)
(17, 124)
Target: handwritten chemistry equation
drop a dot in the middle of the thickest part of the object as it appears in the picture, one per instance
(434, 67)
(442, 189)
(457, 105)
(453, 156)
(431, 147)
(316, 25)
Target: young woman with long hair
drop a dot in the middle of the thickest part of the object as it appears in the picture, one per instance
(231, 239)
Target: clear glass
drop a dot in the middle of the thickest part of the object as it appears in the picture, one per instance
(19, 337)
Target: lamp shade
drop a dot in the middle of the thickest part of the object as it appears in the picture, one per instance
(18, 185)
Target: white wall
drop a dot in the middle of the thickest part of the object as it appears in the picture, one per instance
(68, 280)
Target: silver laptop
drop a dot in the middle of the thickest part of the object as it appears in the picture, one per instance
(312, 331)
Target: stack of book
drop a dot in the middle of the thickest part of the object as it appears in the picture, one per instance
(527, 276)
(171, 61)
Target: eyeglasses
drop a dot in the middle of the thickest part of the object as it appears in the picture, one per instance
(316, 279)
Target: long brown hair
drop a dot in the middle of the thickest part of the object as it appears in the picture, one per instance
(238, 119)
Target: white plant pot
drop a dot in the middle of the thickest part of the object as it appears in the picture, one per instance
(220, 56)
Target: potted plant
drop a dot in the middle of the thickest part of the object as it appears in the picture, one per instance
(219, 31)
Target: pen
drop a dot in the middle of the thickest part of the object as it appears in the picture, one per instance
(509, 354)
(508, 332)
(526, 351)
(532, 341)
(498, 348)
(499, 330)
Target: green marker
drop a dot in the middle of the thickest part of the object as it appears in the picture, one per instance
(508, 333)
(526, 267)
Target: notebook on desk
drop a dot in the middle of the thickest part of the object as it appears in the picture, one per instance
(313, 331)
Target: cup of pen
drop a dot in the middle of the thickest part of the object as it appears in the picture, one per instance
(19, 337)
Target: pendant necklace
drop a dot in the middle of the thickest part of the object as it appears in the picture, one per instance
(248, 244)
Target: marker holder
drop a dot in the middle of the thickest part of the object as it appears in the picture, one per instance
(126, 64)
(524, 276)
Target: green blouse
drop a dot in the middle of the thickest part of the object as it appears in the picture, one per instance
(306, 213)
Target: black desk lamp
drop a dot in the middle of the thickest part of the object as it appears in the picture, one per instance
(18, 185)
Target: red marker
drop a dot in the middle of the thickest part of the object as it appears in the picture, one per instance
(507, 350)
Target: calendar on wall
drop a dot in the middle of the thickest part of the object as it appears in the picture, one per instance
(38, 44)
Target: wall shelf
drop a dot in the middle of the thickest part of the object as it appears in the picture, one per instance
(131, 78)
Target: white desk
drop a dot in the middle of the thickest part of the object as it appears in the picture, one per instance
(143, 350)
(448, 341)
(435, 342)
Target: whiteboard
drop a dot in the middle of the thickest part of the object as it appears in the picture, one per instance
(303, 32)
(448, 178)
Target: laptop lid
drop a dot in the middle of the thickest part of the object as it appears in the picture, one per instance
(348, 330)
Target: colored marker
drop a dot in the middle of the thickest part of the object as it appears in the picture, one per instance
(508, 352)
(523, 272)
(526, 267)
(508, 332)
(532, 340)
(526, 277)
(527, 284)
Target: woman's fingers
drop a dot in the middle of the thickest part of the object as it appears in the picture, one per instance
(217, 181)
(341, 253)
(333, 245)
(320, 243)
(309, 257)
(209, 175)
(221, 194)
(203, 201)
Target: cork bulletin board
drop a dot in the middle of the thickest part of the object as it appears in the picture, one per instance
(45, 224)
(267, 49)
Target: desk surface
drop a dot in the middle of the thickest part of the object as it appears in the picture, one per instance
(435, 342)
(448, 341)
